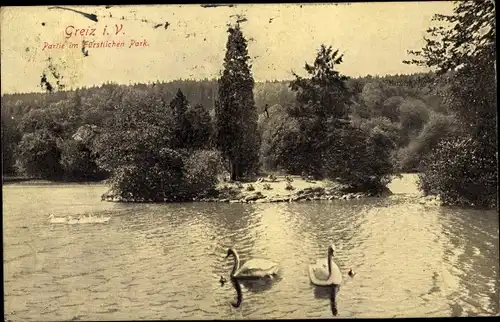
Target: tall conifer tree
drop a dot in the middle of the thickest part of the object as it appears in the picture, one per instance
(235, 112)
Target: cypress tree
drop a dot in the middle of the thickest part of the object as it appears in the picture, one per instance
(179, 106)
(235, 112)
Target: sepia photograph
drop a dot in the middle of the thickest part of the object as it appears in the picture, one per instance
(249, 161)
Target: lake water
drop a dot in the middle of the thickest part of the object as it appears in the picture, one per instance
(164, 261)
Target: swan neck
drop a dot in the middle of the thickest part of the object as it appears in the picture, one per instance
(236, 262)
(330, 262)
(239, 294)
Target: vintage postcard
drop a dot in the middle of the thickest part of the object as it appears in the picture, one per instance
(249, 161)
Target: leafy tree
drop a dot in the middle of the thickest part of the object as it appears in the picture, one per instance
(357, 158)
(38, 155)
(200, 127)
(135, 147)
(51, 119)
(294, 151)
(327, 143)
(391, 107)
(413, 115)
(322, 102)
(78, 162)
(236, 133)
(465, 36)
(382, 125)
(159, 179)
(77, 158)
(373, 96)
(439, 127)
(460, 174)
(141, 149)
(10, 138)
(281, 141)
(464, 46)
(324, 94)
(142, 125)
(201, 169)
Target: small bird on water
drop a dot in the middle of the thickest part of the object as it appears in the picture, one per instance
(351, 273)
(222, 281)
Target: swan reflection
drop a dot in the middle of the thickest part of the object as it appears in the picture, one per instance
(258, 285)
(328, 292)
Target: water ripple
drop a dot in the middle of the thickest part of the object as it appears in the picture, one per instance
(165, 261)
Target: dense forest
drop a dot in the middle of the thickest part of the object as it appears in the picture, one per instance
(172, 140)
(402, 104)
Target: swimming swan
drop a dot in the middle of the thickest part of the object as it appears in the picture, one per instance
(84, 219)
(72, 221)
(59, 220)
(102, 220)
(325, 272)
(253, 269)
(93, 220)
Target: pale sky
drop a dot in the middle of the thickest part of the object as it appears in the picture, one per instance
(374, 38)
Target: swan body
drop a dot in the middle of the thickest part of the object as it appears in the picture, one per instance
(257, 268)
(253, 268)
(72, 221)
(102, 220)
(325, 271)
(80, 220)
(93, 220)
(59, 220)
(85, 220)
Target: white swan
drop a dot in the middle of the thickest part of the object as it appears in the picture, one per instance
(102, 220)
(253, 269)
(84, 219)
(325, 272)
(59, 220)
(72, 221)
(93, 220)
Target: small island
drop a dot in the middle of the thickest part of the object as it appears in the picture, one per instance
(274, 189)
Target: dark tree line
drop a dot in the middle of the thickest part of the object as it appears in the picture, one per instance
(399, 105)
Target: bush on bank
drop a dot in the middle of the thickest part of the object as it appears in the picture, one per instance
(461, 172)
(171, 176)
(359, 158)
